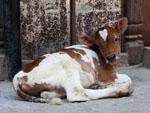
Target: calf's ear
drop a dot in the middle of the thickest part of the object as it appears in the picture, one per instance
(86, 40)
(122, 25)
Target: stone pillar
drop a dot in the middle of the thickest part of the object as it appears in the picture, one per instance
(45, 26)
(133, 41)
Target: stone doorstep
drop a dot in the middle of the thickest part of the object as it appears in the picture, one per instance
(123, 60)
(146, 59)
(135, 53)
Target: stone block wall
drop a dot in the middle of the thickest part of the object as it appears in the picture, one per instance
(92, 14)
(48, 25)
(45, 26)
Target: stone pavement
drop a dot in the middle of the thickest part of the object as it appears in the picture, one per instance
(139, 102)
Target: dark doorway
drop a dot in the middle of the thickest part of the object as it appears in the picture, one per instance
(11, 36)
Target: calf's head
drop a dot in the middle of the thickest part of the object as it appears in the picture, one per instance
(107, 40)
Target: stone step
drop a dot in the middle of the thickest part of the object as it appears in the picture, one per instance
(135, 52)
(146, 58)
(2, 68)
(123, 60)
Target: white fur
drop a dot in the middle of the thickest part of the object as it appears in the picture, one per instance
(15, 81)
(56, 70)
(103, 34)
(89, 54)
(117, 57)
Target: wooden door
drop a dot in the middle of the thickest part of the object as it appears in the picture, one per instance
(146, 22)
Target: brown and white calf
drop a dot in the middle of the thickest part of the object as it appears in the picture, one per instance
(74, 71)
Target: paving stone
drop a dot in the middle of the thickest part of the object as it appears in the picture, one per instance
(123, 60)
(135, 52)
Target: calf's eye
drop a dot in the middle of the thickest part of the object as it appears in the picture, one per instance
(116, 39)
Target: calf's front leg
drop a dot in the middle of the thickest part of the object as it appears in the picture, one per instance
(121, 87)
(75, 91)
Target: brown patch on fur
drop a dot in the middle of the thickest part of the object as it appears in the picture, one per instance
(74, 53)
(103, 72)
(24, 78)
(22, 94)
(106, 73)
(36, 89)
(111, 45)
(28, 67)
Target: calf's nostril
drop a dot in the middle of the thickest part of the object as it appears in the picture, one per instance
(111, 57)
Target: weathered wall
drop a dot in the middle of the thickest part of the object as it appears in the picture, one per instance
(91, 14)
(45, 24)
